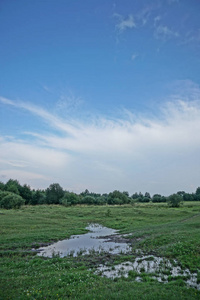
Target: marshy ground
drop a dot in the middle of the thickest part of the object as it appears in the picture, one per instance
(154, 231)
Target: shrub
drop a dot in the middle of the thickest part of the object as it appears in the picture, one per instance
(174, 200)
(88, 200)
(11, 200)
(69, 199)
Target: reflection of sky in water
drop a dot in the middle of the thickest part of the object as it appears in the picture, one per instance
(149, 264)
(95, 240)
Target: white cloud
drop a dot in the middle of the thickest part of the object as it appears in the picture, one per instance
(164, 33)
(156, 20)
(125, 23)
(68, 102)
(159, 154)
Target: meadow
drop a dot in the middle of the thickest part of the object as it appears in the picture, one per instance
(154, 228)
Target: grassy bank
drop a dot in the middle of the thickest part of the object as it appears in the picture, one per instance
(154, 228)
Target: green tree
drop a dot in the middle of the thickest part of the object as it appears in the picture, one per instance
(174, 200)
(158, 198)
(117, 197)
(12, 186)
(147, 195)
(2, 186)
(198, 191)
(69, 198)
(26, 193)
(88, 200)
(197, 194)
(38, 197)
(135, 196)
(54, 193)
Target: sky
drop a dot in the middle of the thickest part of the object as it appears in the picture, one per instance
(100, 94)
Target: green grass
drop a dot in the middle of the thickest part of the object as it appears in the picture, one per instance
(155, 229)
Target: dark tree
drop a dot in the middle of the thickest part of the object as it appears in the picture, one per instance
(158, 198)
(69, 198)
(54, 193)
(147, 195)
(12, 186)
(2, 186)
(88, 200)
(118, 197)
(38, 197)
(174, 200)
(26, 193)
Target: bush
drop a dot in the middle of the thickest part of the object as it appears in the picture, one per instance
(11, 200)
(174, 200)
(69, 199)
(88, 200)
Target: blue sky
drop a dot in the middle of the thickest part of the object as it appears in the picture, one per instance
(100, 95)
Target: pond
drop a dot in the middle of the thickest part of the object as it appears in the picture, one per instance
(96, 240)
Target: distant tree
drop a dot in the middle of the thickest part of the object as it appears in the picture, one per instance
(69, 198)
(2, 186)
(135, 196)
(54, 193)
(188, 197)
(88, 200)
(38, 197)
(174, 200)
(158, 198)
(85, 193)
(143, 199)
(126, 193)
(181, 193)
(117, 197)
(147, 195)
(198, 191)
(101, 200)
(12, 186)
(26, 193)
(197, 194)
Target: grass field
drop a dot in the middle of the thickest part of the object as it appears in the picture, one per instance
(173, 233)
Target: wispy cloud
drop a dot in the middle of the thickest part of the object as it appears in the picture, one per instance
(124, 23)
(165, 33)
(172, 1)
(159, 154)
(134, 56)
(68, 101)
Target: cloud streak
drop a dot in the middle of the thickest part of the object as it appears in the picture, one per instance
(159, 154)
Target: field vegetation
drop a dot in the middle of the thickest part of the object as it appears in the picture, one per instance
(153, 228)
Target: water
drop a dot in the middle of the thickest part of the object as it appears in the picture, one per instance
(157, 267)
(100, 239)
(96, 240)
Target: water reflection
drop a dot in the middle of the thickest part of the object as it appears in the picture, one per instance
(161, 269)
(97, 239)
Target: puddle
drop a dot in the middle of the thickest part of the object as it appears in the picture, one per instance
(96, 240)
(103, 239)
(159, 268)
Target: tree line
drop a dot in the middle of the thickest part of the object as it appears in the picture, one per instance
(14, 195)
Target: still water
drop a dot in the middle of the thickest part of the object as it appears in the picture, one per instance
(97, 239)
